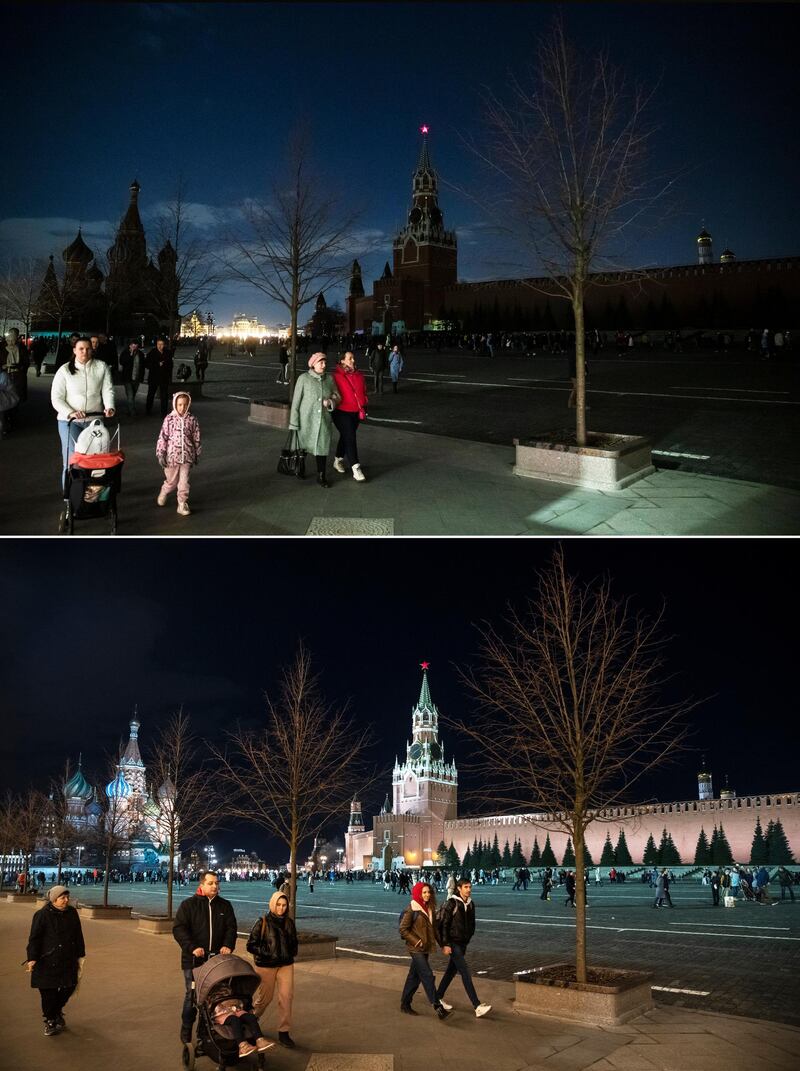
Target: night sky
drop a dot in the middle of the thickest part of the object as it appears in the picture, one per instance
(97, 94)
(91, 629)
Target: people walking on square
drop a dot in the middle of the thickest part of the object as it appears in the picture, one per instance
(349, 413)
(283, 359)
(205, 925)
(81, 386)
(785, 881)
(662, 889)
(273, 946)
(547, 884)
(55, 956)
(201, 360)
(457, 922)
(132, 369)
(159, 376)
(17, 362)
(314, 399)
(177, 450)
(396, 365)
(569, 885)
(418, 928)
(38, 353)
(715, 884)
(377, 363)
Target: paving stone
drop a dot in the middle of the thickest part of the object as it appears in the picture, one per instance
(334, 1061)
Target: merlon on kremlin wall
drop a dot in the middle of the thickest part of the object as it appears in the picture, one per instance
(423, 813)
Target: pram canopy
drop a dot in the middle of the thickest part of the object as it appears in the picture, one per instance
(238, 972)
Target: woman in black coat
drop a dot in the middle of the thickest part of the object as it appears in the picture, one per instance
(55, 947)
(273, 946)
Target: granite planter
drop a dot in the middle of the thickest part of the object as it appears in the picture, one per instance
(273, 414)
(316, 946)
(620, 996)
(24, 898)
(155, 924)
(97, 911)
(609, 462)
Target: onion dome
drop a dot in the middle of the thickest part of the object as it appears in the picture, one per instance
(167, 791)
(78, 251)
(727, 256)
(704, 236)
(94, 809)
(95, 275)
(78, 787)
(118, 788)
(151, 808)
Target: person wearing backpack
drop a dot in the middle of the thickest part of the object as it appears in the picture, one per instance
(457, 927)
(273, 946)
(419, 930)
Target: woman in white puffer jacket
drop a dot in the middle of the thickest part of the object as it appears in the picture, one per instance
(81, 386)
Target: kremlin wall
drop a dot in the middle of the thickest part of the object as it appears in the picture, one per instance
(423, 812)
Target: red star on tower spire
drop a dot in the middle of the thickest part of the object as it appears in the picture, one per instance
(425, 665)
(424, 128)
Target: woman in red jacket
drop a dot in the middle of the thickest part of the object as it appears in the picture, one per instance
(349, 413)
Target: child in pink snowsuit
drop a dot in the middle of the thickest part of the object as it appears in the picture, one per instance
(177, 449)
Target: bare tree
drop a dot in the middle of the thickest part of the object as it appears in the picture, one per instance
(189, 794)
(19, 290)
(62, 833)
(570, 715)
(8, 833)
(292, 246)
(567, 161)
(28, 819)
(112, 834)
(299, 770)
(191, 271)
(62, 295)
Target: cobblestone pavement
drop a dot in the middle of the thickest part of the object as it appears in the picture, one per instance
(744, 961)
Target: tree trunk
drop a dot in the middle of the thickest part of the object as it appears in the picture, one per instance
(293, 876)
(170, 873)
(293, 349)
(60, 861)
(580, 904)
(106, 876)
(580, 365)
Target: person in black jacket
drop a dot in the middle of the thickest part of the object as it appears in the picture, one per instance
(205, 925)
(273, 946)
(159, 376)
(457, 922)
(55, 949)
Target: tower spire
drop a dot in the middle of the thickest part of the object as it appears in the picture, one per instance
(424, 692)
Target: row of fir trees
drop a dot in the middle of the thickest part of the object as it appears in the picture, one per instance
(770, 848)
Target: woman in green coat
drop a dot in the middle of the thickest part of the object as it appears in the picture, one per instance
(315, 397)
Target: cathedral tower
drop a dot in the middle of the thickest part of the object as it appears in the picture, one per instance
(425, 784)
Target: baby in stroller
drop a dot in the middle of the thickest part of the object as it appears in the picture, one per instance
(243, 1025)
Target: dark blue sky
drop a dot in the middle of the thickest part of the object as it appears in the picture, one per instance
(93, 628)
(96, 94)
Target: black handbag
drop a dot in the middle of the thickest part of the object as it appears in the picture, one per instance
(292, 461)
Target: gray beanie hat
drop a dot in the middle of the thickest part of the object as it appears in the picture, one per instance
(55, 892)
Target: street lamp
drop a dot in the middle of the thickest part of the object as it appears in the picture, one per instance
(341, 853)
(79, 848)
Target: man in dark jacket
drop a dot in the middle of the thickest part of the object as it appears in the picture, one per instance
(159, 376)
(378, 362)
(457, 922)
(55, 949)
(132, 367)
(205, 925)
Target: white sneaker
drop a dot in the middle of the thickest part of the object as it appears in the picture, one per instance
(162, 500)
(183, 509)
(447, 1007)
(338, 464)
(482, 1009)
(357, 473)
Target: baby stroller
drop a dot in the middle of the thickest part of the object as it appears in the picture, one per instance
(93, 477)
(220, 977)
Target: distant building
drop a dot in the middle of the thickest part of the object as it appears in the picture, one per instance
(423, 812)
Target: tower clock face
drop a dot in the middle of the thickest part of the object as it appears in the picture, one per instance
(415, 215)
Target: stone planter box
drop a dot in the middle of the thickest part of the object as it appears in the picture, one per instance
(273, 414)
(316, 946)
(610, 1004)
(155, 924)
(194, 387)
(97, 911)
(23, 898)
(609, 462)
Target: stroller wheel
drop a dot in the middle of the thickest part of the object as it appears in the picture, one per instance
(62, 522)
(188, 1056)
(70, 520)
(113, 518)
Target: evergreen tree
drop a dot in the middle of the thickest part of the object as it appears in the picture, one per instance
(670, 855)
(495, 858)
(724, 855)
(505, 859)
(778, 851)
(587, 858)
(517, 858)
(476, 853)
(453, 862)
(662, 847)
(758, 851)
(622, 855)
(702, 853)
(650, 856)
(441, 852)
(536, 855)
(608, 858)
(466, 863)
(569, 854)
(548, 855)
(714, 846)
